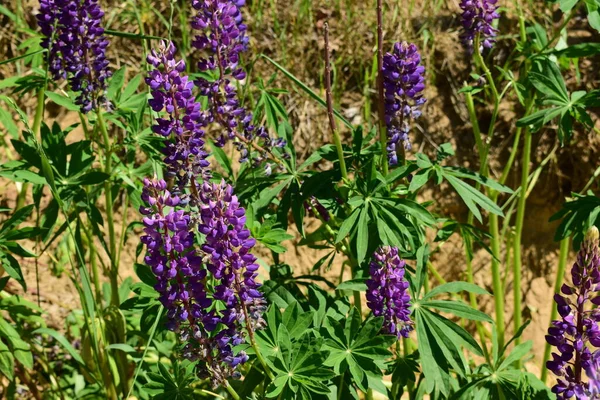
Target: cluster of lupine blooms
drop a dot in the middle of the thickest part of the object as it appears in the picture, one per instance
(221, 39)
(578, 328)
(404, 79)
(76, 46)
(209, 291)
(403, 86)
(387, 291)
(477, 19)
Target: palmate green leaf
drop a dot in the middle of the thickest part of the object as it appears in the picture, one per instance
(347, 226)
(176, 386)
(550, 83)
(576, 216)
(432, 359)
(450, 348)
(357, 347)
(63, 101)
(473, 198)
(456, 308)
(354, 284)
(464, 173)
(298, 367)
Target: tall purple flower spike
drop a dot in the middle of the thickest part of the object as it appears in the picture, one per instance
(221, 38)
(578, 329)
(477, 18)
(387, 291)
(403, 84)
(210, 290)
(74, 38)
(184, 124)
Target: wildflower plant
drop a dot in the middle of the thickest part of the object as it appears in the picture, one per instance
(180, 174)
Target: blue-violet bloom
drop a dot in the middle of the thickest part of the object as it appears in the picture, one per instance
(477, 18)
(403, 84)
(387, 291)
(76, 44)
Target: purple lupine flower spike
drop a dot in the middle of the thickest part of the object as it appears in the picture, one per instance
(169, 238)
(209, 291)
(477, 18)
(221, 38)
(74, 38)
(403, 84)
(578, 329)
(387, 291)
(185, 154)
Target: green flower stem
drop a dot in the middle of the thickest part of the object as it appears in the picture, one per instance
(565, 244)
(488, 74)
(483, 151)
(231, 391)
(94, 263)
(517, 263)
(261, 359)
(39, 111)
(332, 124)
(114, 266)
(436, 274)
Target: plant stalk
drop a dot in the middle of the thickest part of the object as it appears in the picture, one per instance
(231, 391)
(517, 262)
(560, 274)
(483, 151)
(114, 269)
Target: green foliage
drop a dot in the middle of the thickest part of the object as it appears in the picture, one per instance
(567, 107)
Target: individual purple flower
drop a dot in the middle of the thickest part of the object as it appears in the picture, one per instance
(578, 329)
(477, 18)
(221, 38)
(185, 154)
(74, 38)
(403, 85)
(387, 294)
